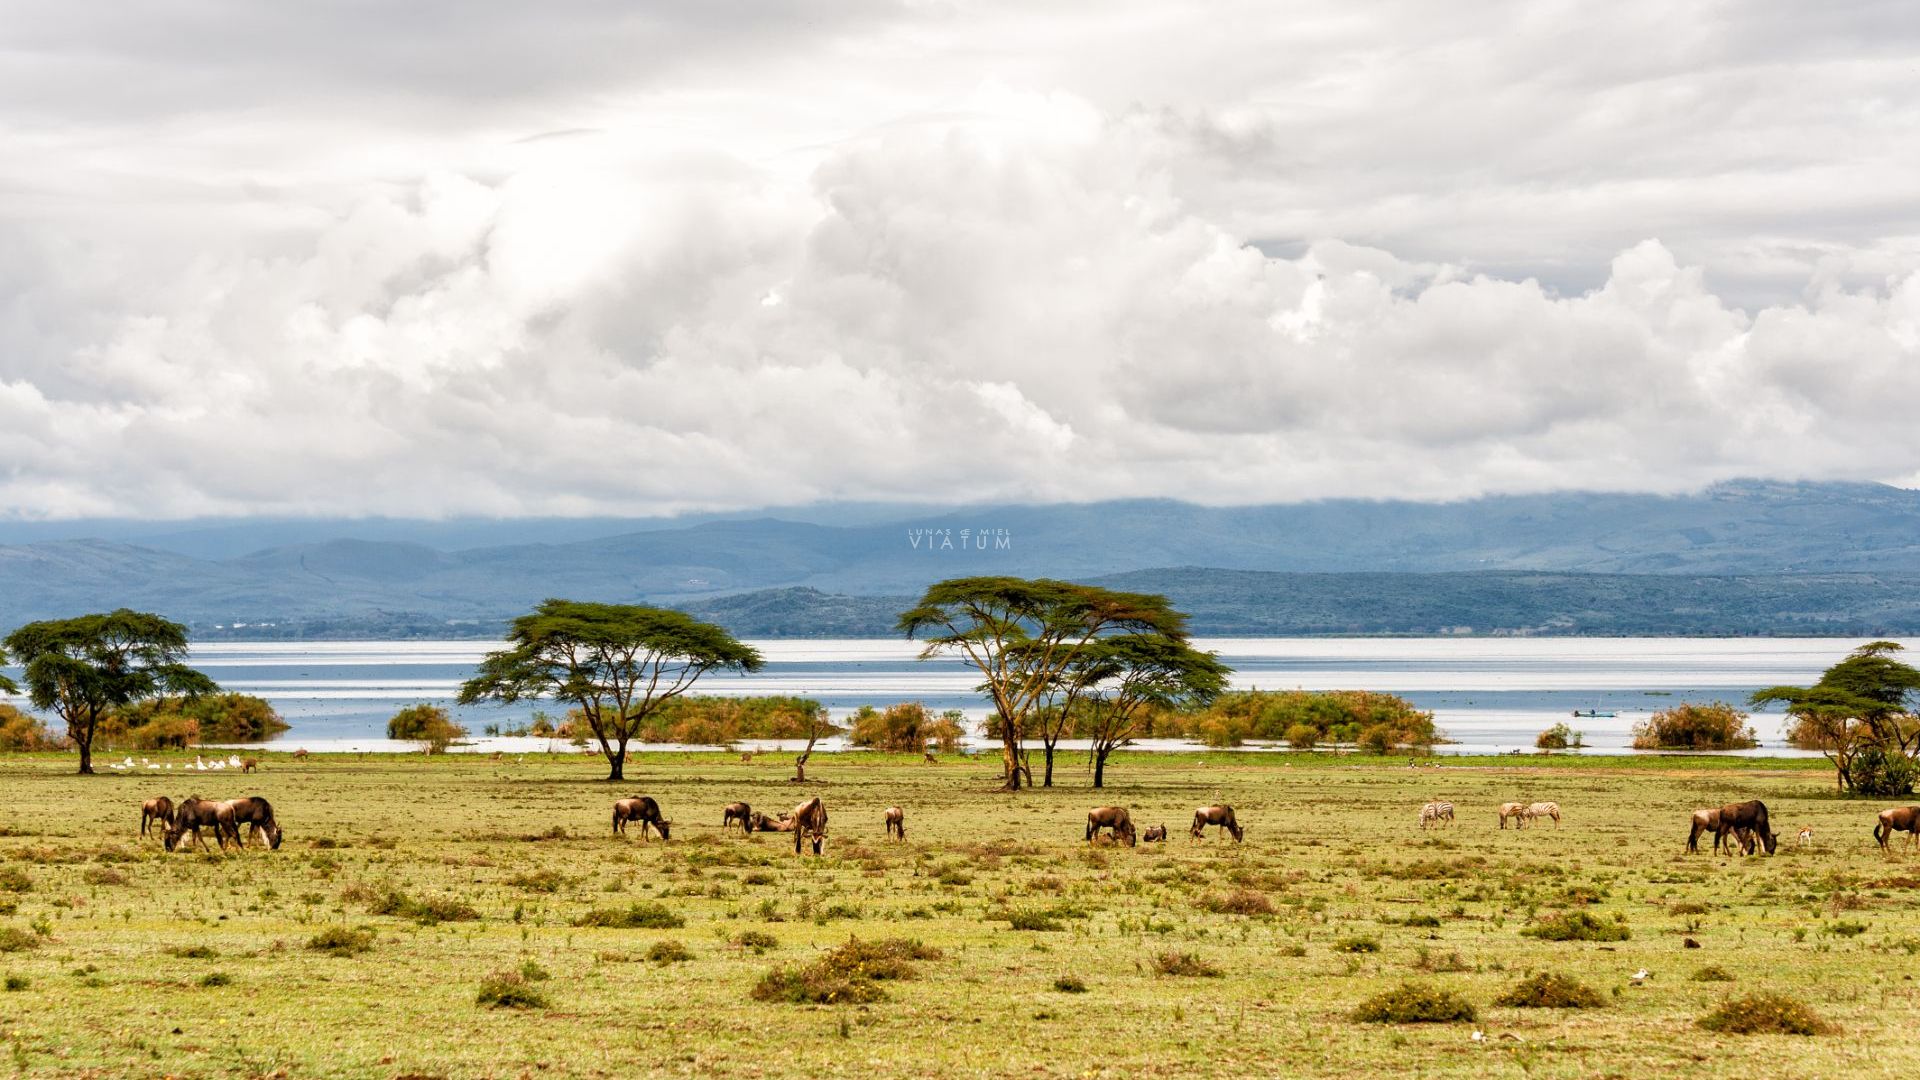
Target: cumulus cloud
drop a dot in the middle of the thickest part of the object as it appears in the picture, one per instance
(1020, 282)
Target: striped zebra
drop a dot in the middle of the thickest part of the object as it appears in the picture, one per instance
(1434, 813)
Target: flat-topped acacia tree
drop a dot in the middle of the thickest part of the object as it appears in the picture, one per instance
(86, 667)
(1021, 634)
(616, 663)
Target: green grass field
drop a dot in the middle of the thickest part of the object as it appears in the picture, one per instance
(121, 960)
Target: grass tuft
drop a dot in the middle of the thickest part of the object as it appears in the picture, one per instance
(1184, 964)
(651, 915)
(341, 941)
(1415, 1003)
(1548, 990)
(14, 939)
(669, 952)
(1765, 1014)
(1577, 926)
(1712, 973)
(509, 990)
(1070, 984)
(1239, 902)
(847, 974)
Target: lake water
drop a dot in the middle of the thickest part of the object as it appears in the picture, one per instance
(1488, 694)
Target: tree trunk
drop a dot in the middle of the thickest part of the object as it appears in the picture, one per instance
(1049, 781)
(1099, 768)
(1010, 757)
(618, 760)
(86, 755)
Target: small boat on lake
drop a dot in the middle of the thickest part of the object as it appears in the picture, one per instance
(1592, 712)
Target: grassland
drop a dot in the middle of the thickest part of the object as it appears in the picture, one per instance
(456, 872)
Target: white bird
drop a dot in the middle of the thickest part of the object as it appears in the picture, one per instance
(233, 761)
(152, 765)
(1641, 976)
(1479, 1036)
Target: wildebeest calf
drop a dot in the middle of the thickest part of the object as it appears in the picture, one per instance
(1155, 834)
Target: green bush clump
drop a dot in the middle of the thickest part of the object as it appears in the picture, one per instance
(1551, 991)
(1415, 1003)
(192, 952)
(341, 941)
(216, 978)
(426, 723)
(540, 881)
(1577, 926)
(429, 912)
(18, 982)
(1712, 973)
(1185, 964)
(1687, 726)
(651, 915)
(1765, 1014)
(847, 974)
(1032, 920)
(1070, 984)
(510, 990)
(1559, 737)
(757, 940)
(14, 939)
(13, 879)
(1239, 902)
(669, 952)
(1874, 771)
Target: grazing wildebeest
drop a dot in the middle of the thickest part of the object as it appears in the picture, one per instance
(810, 823)
(1215, 815)
(894, 820)
(1516, 811)
(1113, 818)
(155, 809)
(1904, 819)
(193, 814)
(1538, 810)
(1704, 821)
(1435, 812)
(643, 810)
(737, 811)
(256, 814)
(1749, 816)
(1155, 834)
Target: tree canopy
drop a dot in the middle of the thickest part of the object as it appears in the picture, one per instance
(615, 663)
(1122, 679)
(1022, 634)
(1862, 705)
(86, 667)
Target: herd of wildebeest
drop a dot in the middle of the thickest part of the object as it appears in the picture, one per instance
(1741, 824)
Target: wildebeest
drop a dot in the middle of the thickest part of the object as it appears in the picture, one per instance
(894, 820)
(1215, 815)
(193, 814)
(1155, 834)
(764, 823)
(1112, 818)
(1904, 819)
(256, 814)
(1704, 821)
(1750, 816)
(810, 823)
(643, 810)
(1435, 813)
(1538, 810)
(1516, 811)
(737, 811)
(159, 808)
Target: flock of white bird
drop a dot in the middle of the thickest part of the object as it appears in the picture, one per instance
(200, 764)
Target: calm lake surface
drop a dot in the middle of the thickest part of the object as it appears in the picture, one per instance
(1488, 694)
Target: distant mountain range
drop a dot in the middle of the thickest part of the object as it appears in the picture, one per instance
(1744, 557)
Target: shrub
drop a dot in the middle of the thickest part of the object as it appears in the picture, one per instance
(1415, 1003)
(23, 732)
(907, 728)
(1687, 726)
(216, 978)
(669, 952)
(104, 875)
(1357, 945)
(651, 915)
(341, 941)
(1712, 973)
(1032, 920)
(426, 723)
(193, 952)
(847, 974)
(174, 722)
(13, 879)
(1576, 926)
(541, 881)
(1239, 902)
(1070, 984)
(510, 990)
(1559, 737)
(757, 940)
(14, 939)
(1550, 991)
(1334, 716)
(18, 982)
(1874, 771)
(1765, 1014)
(428, 912)
(1185, 964)
(1303, 736)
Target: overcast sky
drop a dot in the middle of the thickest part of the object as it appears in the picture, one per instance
(496, 258)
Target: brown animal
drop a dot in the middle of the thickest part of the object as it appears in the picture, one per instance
(737, 811)
(1516, 811)
(256, 814)
(746, 758)
(809, 823)
(1704, 821)
(158, 809)
(763, 823)
(1215, 815)
(930, 758)
(1115, 819)
(299, 755)
(250, 765)
(1155, 834)
(1904, 819)
(643, 810)
(1742, 817)
(193, 814)
(894, 820)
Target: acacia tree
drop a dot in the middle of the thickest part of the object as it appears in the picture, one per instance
(85, 668)
(1863, 703)
(1126, 678)
(616, 663)
(1022, 634)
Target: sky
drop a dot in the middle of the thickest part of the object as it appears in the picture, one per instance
(499, 259)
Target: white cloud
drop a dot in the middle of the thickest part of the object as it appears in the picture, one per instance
(934, 253)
